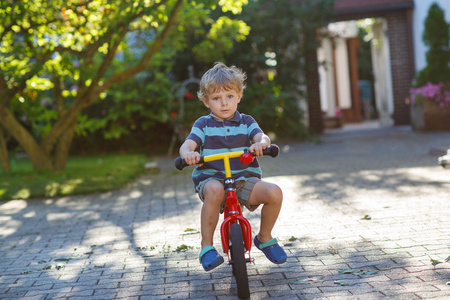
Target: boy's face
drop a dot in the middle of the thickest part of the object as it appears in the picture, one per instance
(223, 103)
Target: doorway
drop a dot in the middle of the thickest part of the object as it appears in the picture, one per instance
(355, 76)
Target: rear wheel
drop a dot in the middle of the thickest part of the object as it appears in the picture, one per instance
(239, 263)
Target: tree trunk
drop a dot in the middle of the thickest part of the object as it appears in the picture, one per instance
(65, 121)
(62, 150)
(4, 158)
(63, 129)
(37, 157)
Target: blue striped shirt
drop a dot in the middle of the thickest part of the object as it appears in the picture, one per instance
(215, 135)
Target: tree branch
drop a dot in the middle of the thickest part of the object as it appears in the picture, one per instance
(57, 90)
(8, 28)
(91, 94)
(4, 158)
(25, 139)
(142, 64)
(8, 94)
(113, 45)
(3, 84)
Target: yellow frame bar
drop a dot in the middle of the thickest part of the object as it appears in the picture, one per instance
(226, 159)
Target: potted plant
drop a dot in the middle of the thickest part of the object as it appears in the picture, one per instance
(430, 97)
(430, 107)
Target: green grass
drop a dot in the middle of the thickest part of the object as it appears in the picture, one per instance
(83, 175)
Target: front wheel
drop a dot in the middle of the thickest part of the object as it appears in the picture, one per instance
(238, 261)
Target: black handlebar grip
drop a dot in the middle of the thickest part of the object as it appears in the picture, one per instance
(273, 150)
(180, 163)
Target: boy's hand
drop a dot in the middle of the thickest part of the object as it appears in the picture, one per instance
(188, 153)
(257, 148)
(192, 158)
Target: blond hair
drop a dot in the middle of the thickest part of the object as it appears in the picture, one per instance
(220, 77)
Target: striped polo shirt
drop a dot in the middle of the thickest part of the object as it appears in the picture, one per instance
(215, 135)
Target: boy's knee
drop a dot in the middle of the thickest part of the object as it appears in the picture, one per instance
(214, 192)
(276, 194)
(272, 193)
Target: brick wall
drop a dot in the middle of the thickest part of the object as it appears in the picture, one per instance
(402, 68)
(314, 106)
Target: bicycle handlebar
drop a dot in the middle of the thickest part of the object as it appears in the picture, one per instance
(273, 150)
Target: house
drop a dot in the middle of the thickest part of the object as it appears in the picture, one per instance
(397, 53)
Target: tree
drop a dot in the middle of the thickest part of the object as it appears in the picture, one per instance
(436, 36)
(4, 158)
(57, 60)
(276, 55)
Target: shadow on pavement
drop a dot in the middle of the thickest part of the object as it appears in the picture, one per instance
(373, 203)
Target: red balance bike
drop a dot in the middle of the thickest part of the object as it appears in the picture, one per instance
(235, 231)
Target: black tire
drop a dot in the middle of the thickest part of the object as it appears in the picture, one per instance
(239, 263)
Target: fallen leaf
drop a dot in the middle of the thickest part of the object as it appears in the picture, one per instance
(307, 280)
(366, 217)
(190, 231)
(301, 281)
(341, 282)
(62, 259)
(42, 262)
(435, 262)
(183, 247)
(359, 272)
(371, 272)
(332, 250)
(146, 248)
(293, 238)
(447, 259)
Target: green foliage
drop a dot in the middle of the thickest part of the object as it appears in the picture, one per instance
(136, 104)
(82, 175)
(273, 55)
(58, 58)
(276, 111)
(140, 103)
(222, 35)
(436, 36)
(282, 35)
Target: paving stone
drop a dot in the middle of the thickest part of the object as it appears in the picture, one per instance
(124, 243)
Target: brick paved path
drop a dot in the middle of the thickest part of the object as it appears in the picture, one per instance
(377, 202)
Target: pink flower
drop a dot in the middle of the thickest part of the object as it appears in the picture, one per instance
(431, 91)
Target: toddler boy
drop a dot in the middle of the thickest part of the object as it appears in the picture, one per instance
(225, 129)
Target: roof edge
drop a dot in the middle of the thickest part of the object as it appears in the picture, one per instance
(373, 9)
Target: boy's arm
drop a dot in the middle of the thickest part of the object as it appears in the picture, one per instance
(188, 153)
(260, 142)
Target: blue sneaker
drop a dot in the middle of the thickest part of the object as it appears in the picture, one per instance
(209, 258)
(272, 251)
